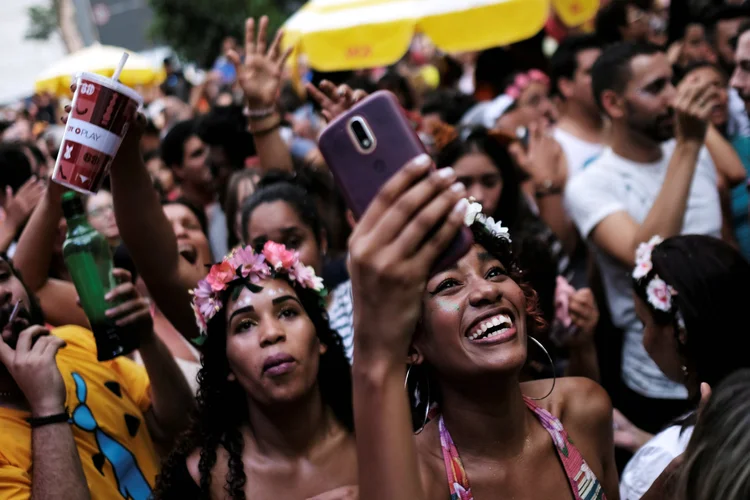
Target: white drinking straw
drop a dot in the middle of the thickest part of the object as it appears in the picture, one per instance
(120, 65)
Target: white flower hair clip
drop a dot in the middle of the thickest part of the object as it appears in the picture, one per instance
(474, 214)
(659, 294)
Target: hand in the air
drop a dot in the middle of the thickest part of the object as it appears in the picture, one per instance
(334, 100)
(261, 72)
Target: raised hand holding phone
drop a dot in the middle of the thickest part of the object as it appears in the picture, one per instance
(393, 249)
(366, 146)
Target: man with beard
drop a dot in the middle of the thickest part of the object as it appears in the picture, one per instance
(656, 178)
(70, 424)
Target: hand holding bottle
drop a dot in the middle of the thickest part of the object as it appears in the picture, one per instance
(132, 311)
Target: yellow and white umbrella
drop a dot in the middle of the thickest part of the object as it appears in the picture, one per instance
(354, 34)
(339, 35)
(575, 12)
(100, 59)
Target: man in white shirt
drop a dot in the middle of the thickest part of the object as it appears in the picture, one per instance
(580, 127)
(654, 179)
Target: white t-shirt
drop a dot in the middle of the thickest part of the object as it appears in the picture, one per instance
(578, 152)
(613, 184)
(650, 461)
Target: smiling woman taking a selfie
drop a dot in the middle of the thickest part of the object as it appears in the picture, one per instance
(464, 332)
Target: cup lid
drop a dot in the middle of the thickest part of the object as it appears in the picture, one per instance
(112, 84)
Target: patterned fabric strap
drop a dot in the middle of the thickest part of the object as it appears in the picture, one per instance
(583, 482)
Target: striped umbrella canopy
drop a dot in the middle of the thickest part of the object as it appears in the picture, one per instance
(340, 35)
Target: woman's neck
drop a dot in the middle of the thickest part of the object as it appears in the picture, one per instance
(487, 419)
(291, 429)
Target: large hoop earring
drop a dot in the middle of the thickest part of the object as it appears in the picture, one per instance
(552, 364)
(427, 402)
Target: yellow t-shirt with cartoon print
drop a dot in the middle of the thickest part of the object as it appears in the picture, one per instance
(107, 401)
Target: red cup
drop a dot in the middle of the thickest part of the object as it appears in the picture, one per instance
(102, 110)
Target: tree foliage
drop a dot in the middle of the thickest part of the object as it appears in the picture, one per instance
(42, 21)
(196, 28)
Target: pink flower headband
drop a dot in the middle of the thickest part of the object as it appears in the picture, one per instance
(523, 80)
(248, 267)
(659, 294)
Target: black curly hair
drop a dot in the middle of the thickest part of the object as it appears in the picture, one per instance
(502, 250)
(222, 405)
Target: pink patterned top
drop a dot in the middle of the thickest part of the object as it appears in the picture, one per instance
(582, 480)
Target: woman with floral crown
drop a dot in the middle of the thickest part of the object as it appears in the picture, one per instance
(274, 415)
(691, 294)
(460, 337)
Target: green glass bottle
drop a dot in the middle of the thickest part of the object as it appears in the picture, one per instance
(89, 260)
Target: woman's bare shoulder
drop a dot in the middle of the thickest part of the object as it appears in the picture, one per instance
(584, 401)
(573, 398)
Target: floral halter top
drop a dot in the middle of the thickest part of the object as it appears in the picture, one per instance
(582, 481)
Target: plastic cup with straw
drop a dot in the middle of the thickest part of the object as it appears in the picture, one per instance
(102, 109)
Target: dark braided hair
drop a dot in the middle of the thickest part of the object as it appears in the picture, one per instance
(222, 405)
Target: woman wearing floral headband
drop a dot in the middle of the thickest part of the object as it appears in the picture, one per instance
(465, 332)
(274, 413)
(691, 295)
(530, 94)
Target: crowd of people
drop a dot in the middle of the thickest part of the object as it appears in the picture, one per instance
(583, 348)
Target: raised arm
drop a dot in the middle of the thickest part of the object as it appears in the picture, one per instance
(260, 77)
(618, 234)
(391, 257)
(171, 397)
(149, 236)
(546, 165)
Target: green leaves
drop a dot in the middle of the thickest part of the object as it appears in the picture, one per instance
(42, 21)
(196, 28)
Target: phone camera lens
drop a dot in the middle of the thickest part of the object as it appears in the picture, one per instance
(362, 134)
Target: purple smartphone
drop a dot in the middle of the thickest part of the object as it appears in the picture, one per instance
(366, 146)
